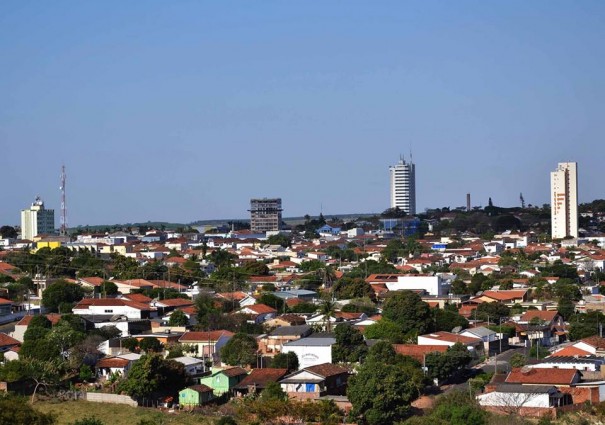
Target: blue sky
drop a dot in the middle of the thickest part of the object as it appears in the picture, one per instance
(184, 110)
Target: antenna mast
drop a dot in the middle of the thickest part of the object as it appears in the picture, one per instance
(63, 206)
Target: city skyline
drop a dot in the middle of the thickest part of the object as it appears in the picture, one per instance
(178, 113)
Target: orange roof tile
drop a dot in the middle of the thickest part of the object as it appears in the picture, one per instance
(547, 376)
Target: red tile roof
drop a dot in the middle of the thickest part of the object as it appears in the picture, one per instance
(113, 362)
(53, 317)
(451, 337)
(505, 295)
(201, 388)
(204, 336)
(111, 302)
(5, 301)
(418, 351)
(570, 351)
(261, 377)
(261, 309)
(327, 369)
(595, 341)
(176, 302)
(546, 316)
(6, 340)
(546, 376)
(139, 298)
(94, 281)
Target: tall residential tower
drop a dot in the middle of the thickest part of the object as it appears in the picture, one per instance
(403, 186)
(265, 215)
(37, 220)
(564, 200)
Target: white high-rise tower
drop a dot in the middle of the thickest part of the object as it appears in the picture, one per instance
(564, 200)
(403, 186)
(37, 220)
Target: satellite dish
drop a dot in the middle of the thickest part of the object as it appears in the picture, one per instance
(525, 370)
(457, 329)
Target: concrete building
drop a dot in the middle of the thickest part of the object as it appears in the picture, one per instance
(564, 200)
(265, 215)
(403, 186)
(37, 220)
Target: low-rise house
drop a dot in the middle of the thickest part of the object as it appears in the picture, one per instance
(258, 379)
(525, 400)
(588, 363)
(112, 307)
(537, 376)
(6, 307)
(312, 350)
(195, 396)
(419, 352)
(23, 324)
(449, 339)
(206, 344)
(273, 342)
(286, 320)
(259, 313)
(117, 365)
(223, 380)
(193, 367)
(593, 345)
(509, 297)
(8, 342)
(316, 381)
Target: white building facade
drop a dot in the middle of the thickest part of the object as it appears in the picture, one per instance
(564, 200)
(403, 186)
(37, 220)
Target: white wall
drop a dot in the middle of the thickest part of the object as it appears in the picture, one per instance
(513, 399)
(433, 285)
(310, 356)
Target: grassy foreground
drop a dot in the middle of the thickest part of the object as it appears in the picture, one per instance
(117, 414)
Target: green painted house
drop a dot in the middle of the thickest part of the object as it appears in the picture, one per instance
(222, 380)
(195, 396)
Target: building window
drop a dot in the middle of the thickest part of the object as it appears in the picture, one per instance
(108, 311)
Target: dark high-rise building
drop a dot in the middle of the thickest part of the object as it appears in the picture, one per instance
(265, 215)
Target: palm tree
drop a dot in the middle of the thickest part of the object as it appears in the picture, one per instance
(327, 309)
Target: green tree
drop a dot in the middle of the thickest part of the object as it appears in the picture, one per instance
(8, 232)
(492, 312)
(240, 350)
(16, 410)
(150, 345)
(347, 288)
(86, 373)
(152, 375)
(279, 239)
(285, 361)
(407, 309)
(131, 344)
(381, 392)
(61, 292)
(457, 408)
(350, 345)
(446, 320)
(178, 318)
(273, 391)
(442, 366)
(517, 360)
(387, 330)
(108, 289)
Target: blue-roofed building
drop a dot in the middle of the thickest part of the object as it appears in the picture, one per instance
(326, 229)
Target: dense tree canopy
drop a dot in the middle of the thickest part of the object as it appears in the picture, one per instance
(61, 293)
(350, 345)
(240, 350)
(407, 309)
(152, 375)
(384, 387)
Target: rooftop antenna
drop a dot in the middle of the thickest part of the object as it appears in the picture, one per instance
(411, 158)
(63, 230)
